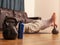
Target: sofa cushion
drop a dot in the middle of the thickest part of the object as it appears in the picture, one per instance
(19, 16)
(7, 12)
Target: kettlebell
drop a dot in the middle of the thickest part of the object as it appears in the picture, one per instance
(54, 31)
(9, 28)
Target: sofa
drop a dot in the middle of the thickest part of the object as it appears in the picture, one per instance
(19, 15)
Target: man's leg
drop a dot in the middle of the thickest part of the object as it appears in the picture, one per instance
(48, 23)
(53, 19)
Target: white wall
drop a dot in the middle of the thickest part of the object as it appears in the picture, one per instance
(45, 8)
(59, 12)
(29, 7)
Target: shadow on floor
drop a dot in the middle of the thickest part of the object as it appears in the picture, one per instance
(38, 33)
(2, 39)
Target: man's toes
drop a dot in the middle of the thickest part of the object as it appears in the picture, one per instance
(53, 18)
(54, 25)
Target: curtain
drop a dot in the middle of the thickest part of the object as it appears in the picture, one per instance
(12, 4)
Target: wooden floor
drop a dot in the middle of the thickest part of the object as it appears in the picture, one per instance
(33, 39)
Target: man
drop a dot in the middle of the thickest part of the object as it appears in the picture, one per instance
(37, 25)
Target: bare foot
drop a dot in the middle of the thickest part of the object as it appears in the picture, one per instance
(53, 19)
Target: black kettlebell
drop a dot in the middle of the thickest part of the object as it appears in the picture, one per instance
(54, 31)
(9, 28)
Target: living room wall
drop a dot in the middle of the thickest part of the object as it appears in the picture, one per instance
(29, 7)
